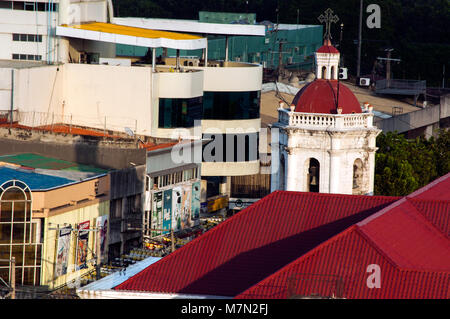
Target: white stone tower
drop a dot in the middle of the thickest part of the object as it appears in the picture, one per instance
(325, 141)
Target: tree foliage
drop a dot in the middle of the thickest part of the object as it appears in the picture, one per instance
(402, 165)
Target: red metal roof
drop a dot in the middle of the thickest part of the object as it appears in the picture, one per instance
(408, 240)
(436, 190)
(339, 267)
(320, 96)
(255, 243)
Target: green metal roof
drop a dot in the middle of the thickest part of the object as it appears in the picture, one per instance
(43, 162)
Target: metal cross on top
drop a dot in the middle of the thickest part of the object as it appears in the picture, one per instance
(328, 18)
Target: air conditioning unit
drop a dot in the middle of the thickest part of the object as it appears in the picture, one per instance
(343, 74)
(364, 82)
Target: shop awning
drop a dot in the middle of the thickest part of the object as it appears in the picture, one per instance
(113, 33)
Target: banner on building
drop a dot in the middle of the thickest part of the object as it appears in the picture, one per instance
(176, 208)
(186, 206)
(62, 253)
(167, 210)
(102, 228)
(195, 206)
(82, 245)
(156, 222)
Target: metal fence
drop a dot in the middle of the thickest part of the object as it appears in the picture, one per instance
(48, 120)
(401, 85)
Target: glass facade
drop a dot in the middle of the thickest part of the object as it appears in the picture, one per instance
(231, 105)
(231, 147)
(18, 234)
(175, 113)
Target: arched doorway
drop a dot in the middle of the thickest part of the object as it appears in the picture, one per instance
(313, 178)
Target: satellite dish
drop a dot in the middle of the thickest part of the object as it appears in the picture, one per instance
(129, 131)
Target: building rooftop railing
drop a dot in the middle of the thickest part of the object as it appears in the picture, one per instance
(321, 121)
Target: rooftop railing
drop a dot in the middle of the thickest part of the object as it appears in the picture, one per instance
(332, 121)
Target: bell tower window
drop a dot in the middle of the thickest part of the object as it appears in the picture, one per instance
(313, 175)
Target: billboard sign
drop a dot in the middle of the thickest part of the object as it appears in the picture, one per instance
(167, 210)
(176, 208)
(186, 206)
(82, 245)
(102, 227)
(195, 206)
(156, 222)
(62, 253)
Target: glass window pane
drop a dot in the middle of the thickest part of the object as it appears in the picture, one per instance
(13, 194)
(5, 212)
(19, 211)
(18, 232)
(17, 251)
(28, 278)
(31, 38)
(30, 57)
(4, 254)
(23, 56)
(16, 37)
(30, 255)
(15, 57)
(23, 37)
(5, 233)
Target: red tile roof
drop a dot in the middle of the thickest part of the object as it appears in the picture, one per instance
(408, 240)
(255, 243)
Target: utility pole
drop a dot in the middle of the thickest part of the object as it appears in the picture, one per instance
(13, 277)
(358, 66)
(98, 248)
(388, 67)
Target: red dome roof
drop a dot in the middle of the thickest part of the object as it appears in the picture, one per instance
(320, 96)
(327, 49)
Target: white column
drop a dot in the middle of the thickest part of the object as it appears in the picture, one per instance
(63, 43)
(334, 172)
(226, 48)
(291, 169)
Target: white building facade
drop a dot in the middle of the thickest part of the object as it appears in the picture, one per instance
(325, 143)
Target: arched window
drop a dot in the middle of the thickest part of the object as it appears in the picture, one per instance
(332, 73)
(282, 176)
(18, 234)
(357, 176)
(313, 177)
(324, 72)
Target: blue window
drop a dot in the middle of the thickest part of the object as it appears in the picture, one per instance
(231, 105)
(179, 112)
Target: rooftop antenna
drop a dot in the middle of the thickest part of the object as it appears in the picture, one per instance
(131, 134)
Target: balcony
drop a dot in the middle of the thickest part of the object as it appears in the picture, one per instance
(325, 121)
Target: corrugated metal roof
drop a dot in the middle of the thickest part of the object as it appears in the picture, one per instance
(34, 180)
(342, 263)
(255, 243)
(114, 33)
(411, 246)
(117, 278)
(44, 162)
